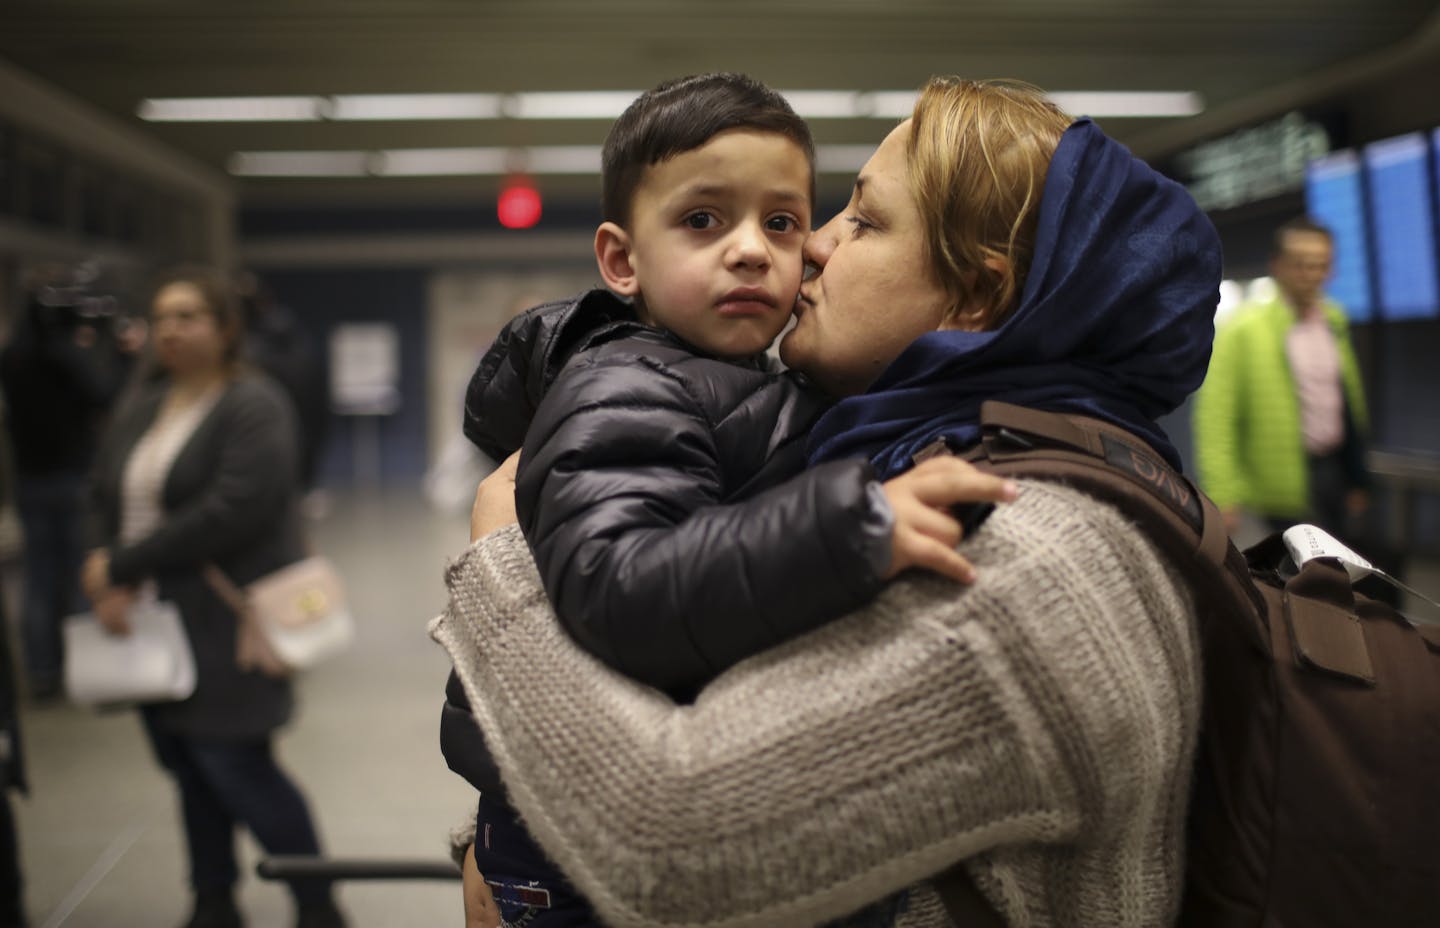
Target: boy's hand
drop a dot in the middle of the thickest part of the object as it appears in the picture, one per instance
(495, 499)
(926, 532)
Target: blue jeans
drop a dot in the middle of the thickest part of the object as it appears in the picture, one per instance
(529, 890)
(228, 783)
(51, 510)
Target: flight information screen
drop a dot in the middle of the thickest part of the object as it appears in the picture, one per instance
(1402, 218)
(1334, 197)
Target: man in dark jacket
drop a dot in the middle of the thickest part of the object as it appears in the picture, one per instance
(60, 373)
(12, 775)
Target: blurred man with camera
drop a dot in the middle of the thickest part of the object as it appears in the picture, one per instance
(61, 371)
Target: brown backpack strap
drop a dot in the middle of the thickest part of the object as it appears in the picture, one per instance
(1113, 465)
(1121, 469)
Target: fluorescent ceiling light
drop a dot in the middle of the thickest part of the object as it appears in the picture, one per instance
(300, 163)
(608, 104)
(230, 109)
(1128, 104)
(549, 159)
(587, 104)
(563, 159)
(891, 104)
(415, 106)
(438, 162)
(826, 104)
(435, 162)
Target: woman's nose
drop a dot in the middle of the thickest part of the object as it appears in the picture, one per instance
(820, 245)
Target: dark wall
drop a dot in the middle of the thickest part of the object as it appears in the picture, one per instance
(323, 299)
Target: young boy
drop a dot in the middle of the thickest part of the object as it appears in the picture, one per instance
(662, 486)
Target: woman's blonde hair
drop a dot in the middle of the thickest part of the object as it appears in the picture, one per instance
(978, 153)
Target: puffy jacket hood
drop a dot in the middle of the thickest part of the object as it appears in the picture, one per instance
(525, 359)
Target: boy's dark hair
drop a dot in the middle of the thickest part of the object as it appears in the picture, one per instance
(681, 115)
(1298, 224)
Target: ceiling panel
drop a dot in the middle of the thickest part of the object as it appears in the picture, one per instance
(115, 53)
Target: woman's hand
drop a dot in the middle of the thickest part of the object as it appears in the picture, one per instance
(480, 910)
(495, 499)
(926, 532)
(95, 575)
(113, 609)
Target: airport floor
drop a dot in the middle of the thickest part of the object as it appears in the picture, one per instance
(100, 835)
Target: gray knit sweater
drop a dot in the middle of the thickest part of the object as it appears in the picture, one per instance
(1038, 725)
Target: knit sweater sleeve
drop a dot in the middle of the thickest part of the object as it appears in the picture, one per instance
(1038, 725)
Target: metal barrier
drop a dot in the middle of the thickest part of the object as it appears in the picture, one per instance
(1405, 474)
(331, 869)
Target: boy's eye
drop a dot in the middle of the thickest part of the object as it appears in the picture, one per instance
(782, 224)
(700, 220)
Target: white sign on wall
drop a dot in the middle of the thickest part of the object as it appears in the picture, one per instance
(365, 369)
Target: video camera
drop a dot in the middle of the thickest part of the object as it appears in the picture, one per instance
(75, 303)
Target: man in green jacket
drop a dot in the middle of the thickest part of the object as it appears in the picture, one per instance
(1279, 422)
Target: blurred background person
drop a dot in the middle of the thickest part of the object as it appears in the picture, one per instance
(12, 770)
(69, 356)
(1280, 421)
(198, 467)
(279, 345)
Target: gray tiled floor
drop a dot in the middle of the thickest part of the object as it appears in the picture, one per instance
(100, 835)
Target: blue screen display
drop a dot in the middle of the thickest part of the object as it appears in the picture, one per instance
(1403, 222)
(1334, 198)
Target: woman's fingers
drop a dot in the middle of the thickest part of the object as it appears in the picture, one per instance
(495, 499)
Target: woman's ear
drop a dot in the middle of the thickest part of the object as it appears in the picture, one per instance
(980, 313)
(612, 254)
(997, 265)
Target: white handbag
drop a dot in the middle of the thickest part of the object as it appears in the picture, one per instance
(153, 663)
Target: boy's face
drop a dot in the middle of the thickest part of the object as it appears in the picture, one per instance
(715, 237)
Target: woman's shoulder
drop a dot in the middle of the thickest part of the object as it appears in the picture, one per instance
(252, 387)
(1058, 555)
(254, 394)
(1073, 526)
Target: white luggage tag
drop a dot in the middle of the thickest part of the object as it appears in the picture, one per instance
(1307, 542)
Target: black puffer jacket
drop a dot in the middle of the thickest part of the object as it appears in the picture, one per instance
(650, 490)
(656, 492)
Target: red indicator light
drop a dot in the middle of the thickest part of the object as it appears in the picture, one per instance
(519, 205)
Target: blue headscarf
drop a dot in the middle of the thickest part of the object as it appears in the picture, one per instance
(1115, 321)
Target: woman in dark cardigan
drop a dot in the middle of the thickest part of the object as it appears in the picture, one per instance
(198, 467)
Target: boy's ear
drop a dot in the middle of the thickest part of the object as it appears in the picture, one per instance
(612, 253)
